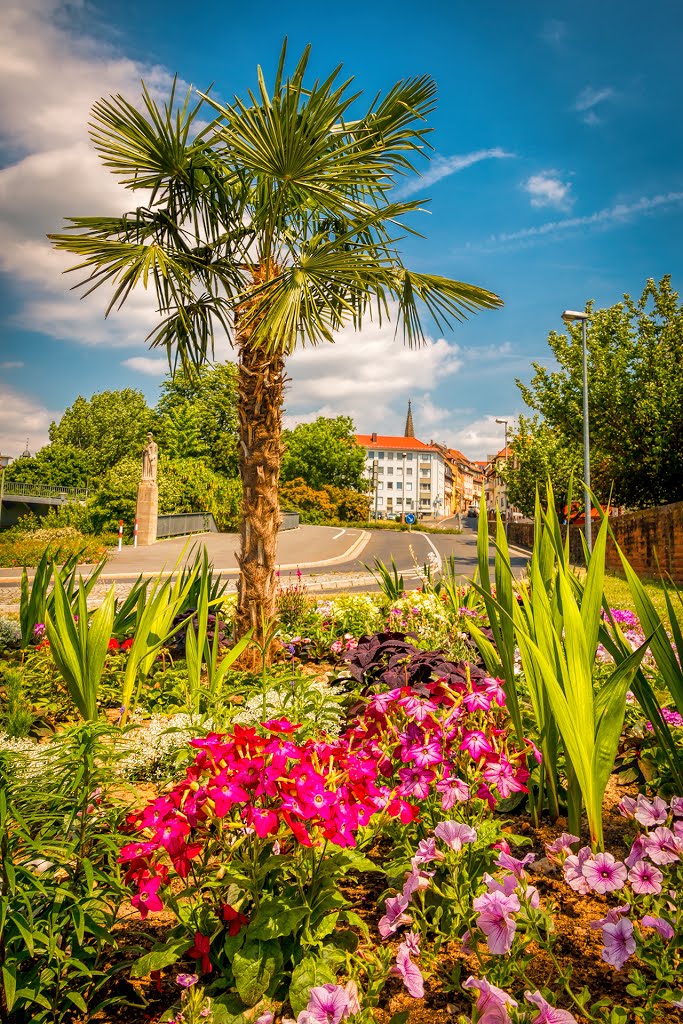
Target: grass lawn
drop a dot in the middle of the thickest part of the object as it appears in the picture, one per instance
(618, 593)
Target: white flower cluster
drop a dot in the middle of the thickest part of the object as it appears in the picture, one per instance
(31, 761)
(10, 632)
(149, 751)
(306, 702)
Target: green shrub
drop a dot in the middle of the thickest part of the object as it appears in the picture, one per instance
(18, 548)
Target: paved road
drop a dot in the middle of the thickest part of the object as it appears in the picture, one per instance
(318, 552)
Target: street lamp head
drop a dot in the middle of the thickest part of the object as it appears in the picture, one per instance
(502, 421)
(5, 461)
(570, 315)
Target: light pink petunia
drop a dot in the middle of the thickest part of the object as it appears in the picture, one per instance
(604, 873)
(409, 972)
(660, 925)
(495, 920)
(327, 1004)
(662, 846)
(650, 812)
(548, 1014)
(573, 870)
(492, 1002)
(394, 916)
(561, 847)
(645, 878)
(619, 943)
(455, 834)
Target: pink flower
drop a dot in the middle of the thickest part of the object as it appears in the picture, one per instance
(547, 1013)
(409, 972)
(200, 951)
(187, 980)
(637, 852)
(453, 791)
(677, 806)
(492, 1002)
(495, 920)
(455, 833)
(650, 813)
(394, 916)
(660, 925)
(426, 851)
(327, 1004)
(604, 873)
(561, 847)
(411, 941)
(627, 807)
(573, 870)
(514, 864)
(416, 781)
(351, 990)
(147, 899)
(645, 878)
(619, 943)
(662, 846)
(417, 880)
(475, 743)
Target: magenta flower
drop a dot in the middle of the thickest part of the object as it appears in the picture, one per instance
(677, 806)
(492, 1002)
(416, 781)
(453, 791)
(327, 1004)
(604, 873)
(637, 852)
(266, 1018)
(618, 940)
(662, 846)
(411, 941)
(612, 916)
(475, 743)
(650, 813)
(147, 899)
(495, 920)
(645, 878)
(660, 925)
(573, 870)
(547, 1013)
(455, 834)
(409, 972)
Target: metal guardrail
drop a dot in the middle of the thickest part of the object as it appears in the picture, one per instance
(182, 523)
(14, 488)
(290, 521)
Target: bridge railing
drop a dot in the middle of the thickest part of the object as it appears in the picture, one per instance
(14, 488)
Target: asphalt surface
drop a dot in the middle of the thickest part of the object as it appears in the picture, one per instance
(328, 558)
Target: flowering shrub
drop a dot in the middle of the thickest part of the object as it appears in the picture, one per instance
(424, 614)
(312, 703)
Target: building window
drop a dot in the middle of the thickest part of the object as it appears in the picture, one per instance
(409, 471)
(398, 485)
(380, 455)
(389, 485)
(390, 469)
(409, 487)
(409, 456)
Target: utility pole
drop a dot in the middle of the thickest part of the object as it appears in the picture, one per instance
(375, 475)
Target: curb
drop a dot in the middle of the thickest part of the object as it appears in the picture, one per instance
(350, 553)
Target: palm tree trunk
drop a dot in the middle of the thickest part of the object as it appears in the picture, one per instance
(260, 381)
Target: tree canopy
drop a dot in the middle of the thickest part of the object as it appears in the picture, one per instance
(635, 372)
(324, 452)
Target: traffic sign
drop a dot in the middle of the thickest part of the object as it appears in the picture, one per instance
(410, 518)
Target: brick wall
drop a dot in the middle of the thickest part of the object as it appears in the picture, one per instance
(644, 537)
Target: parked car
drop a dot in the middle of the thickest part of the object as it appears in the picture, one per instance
(472, 512)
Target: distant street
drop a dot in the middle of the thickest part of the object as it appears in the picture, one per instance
(328, 558)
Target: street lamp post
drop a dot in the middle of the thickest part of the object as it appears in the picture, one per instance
(569, 316)
(507, 500)
(4, 463)
(404, 456)
(375, 477)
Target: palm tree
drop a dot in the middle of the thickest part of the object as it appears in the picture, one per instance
(273, 222)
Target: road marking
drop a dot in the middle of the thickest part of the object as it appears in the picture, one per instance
(434, 549)
(338, 535)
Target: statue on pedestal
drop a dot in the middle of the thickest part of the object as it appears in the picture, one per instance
(150, 457)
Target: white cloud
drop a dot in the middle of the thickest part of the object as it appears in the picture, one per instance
(53, 171)
(611, 216)
(547, 189)
(589, 99)
(22, 416)
(369, 375)
(480, 438)
(10, 365)
(151, 366)
(443, 166)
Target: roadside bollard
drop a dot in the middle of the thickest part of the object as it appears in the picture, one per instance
(120, 534)
(135, 533)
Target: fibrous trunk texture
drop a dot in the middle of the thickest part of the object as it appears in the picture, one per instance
(261, 381)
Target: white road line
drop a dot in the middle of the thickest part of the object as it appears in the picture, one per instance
(434, 549)
(340, 534)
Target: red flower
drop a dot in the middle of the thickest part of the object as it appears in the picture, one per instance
(127, 644)
(200, 951)
(113, 644)
(234, 919)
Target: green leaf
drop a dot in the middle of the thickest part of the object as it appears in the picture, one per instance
(9, 983)
(253, 966)
(275, 920)
(307, 975)
(158, 958)
(77, 999)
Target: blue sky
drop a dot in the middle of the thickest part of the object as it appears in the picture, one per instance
(557, 177)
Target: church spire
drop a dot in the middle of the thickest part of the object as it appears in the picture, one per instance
(410, 429)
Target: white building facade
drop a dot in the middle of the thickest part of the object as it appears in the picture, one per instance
(405, 474)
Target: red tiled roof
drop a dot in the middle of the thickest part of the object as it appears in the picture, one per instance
(385, 441)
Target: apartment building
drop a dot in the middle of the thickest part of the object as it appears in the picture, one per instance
(406, 475)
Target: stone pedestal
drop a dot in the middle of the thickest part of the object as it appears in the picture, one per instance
(147, 511)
